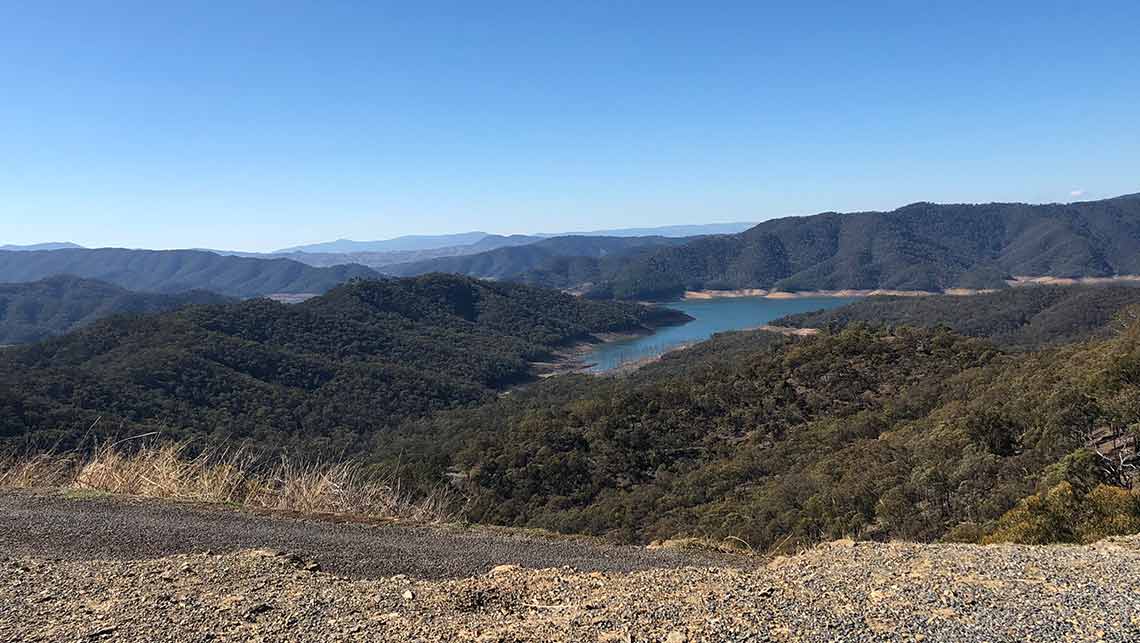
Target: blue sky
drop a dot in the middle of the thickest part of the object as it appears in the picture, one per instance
(258, 125)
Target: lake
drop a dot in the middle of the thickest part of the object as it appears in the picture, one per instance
(710, 316)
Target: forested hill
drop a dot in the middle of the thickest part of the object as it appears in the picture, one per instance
(923, 246)
(529, 263)
(1025, 318)
(32, 311)
(324, 375)
(912, 434)
(170, 271)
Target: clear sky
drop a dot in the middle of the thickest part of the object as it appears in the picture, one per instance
(258, 125)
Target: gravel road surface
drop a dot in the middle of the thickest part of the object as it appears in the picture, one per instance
(90, 527)
(69, 572)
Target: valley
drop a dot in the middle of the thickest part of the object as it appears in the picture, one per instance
(353, 429)
(579, 322)
(710, 316)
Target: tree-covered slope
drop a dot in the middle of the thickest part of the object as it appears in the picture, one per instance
(913, 434)
(324, 375)
(1025, 317)
(170, 271)
(524, 263)
(923, 246)
(33, 311)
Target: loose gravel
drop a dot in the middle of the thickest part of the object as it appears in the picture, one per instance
(113, 527)
(841, 591)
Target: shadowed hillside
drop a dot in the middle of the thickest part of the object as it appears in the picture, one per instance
(540, 263)
(171, 271)
(33, 311)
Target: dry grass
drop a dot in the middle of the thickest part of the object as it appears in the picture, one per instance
(230, 477)
(40, 470)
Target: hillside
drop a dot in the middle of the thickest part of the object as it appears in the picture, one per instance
(877, 433)
(540, 263)
(33, 311)
(325, 376)
(171, 271)
(923, 246)
(911, 435)
(1025, 318)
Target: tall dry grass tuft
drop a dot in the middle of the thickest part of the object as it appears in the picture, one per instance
(37, 470)
(169, 471)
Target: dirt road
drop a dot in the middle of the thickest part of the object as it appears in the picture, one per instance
(111, 528)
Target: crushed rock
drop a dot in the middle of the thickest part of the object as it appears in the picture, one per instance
(834, 592)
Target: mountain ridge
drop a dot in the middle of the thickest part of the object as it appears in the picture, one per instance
(920, 246)
(30, 312)
(170, 271)
(49, 245)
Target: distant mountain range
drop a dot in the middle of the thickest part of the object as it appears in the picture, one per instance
(482, 241)
(923, 246)
(378, 259)
(52, 245)
(171, 271)
(696, 230)
(31, 312)
(524, 263)
(410, 242)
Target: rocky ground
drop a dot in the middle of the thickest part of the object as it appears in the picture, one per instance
(101, 527)
(836, 592)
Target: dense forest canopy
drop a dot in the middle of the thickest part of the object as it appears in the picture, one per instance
(324, 374)
(923, 246)
(34, 311)
(528, 263)
(875, 428)
(1025, 317)
(911, 434)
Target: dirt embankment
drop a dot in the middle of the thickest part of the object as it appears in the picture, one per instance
(841, 591)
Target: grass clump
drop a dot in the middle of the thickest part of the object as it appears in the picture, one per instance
(235, 477)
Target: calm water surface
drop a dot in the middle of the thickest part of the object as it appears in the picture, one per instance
(710, 316)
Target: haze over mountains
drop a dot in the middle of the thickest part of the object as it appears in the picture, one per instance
(410, 242)
(171, 271)
(923, 246)
(872, 427)
(51, 245)
(517, 262)
(486, 241)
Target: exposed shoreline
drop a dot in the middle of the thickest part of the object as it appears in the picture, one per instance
(569, 359)
(1018, 281)
(814, 294)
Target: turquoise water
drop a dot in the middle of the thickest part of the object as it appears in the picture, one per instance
(710, 316)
